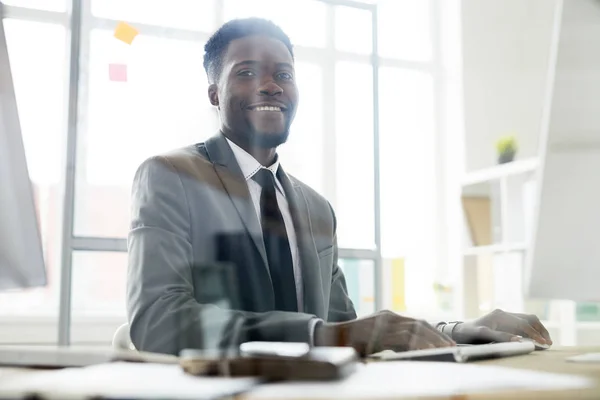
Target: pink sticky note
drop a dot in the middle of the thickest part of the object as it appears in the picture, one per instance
(117, 72)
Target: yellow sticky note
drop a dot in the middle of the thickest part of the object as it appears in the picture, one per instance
(126, 32)
(398, 285)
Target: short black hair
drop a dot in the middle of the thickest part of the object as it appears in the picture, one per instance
(236, 29)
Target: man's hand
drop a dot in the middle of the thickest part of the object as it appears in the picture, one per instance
(500, 326)
(383, 330)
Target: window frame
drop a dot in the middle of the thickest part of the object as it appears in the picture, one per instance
(79, 22)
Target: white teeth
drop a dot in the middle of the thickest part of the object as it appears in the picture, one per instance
(267, 108)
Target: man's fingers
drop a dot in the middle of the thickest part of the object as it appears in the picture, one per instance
(527, 330)
(535, 322)
(491, 335)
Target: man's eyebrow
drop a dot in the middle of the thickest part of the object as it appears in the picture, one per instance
(255, 62)
(246, 62)
(285, 65)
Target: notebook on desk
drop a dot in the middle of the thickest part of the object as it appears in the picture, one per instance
(459, 354)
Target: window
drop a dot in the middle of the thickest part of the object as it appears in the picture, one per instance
(38, 65)
(49, 5)
(163, 105)
(359, 276)
(354, 155)
(157, 101)
(302, 155)
(407, 164)
(353, 30)
(197, 15)
(405, 29)
(292, 18)
(98, 295)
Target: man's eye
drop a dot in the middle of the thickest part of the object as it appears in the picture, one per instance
(286, 76)
(246, 72)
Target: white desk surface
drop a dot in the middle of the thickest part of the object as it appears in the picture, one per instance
(552, 361)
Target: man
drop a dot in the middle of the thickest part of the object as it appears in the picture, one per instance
(229, 202)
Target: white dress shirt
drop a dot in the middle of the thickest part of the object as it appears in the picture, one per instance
(249, 167)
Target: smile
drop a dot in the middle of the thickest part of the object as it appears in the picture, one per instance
(266, 108)
(272, 106)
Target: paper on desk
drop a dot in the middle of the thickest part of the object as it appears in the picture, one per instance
(412, 378)
(593, 358)
(122, 380)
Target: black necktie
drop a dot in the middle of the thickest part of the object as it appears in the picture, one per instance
(277, 245)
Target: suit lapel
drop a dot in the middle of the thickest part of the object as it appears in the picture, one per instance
(231, 176)
(309, 263)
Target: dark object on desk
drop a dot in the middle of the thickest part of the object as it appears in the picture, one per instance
(320, 363)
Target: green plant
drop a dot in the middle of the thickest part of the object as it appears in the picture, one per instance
(507, 145)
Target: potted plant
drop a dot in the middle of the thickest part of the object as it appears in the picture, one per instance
(507, 148)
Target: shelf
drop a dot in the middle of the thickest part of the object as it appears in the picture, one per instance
(494, 249)
(500, 171)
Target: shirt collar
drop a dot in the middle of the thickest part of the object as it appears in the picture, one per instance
(248, 164)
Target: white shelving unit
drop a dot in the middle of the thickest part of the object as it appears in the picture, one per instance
(493, 272)
(511, 89)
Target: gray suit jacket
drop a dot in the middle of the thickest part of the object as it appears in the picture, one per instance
(191, 208)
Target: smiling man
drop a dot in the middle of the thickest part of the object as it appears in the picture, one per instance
(229, 202)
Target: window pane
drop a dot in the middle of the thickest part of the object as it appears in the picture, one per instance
(360, 280)
(38, 64)
(306, 134)
(304, 21)
(163, 105)
(197, 15)
(354, 155)
(98, 296)
(49, 5)
(407, 165)
(405, 29)
(353, 31)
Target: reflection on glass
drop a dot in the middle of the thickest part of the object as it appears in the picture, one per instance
(353, 31)
(197, 15)
(304, 21)
(162, 106)
(354, 155)
(408, 179)
(306, 134)
(38, 64)
(405, 29)
(48, 5)
(360, 281)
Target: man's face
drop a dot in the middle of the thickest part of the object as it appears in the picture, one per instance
(257, 94)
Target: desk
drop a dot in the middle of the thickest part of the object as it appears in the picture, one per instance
(545, 361)
(552, 360)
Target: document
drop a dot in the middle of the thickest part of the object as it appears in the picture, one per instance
(593, 358)
(121, 380)
(412, 378)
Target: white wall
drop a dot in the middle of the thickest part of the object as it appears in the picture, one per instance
(506, 46)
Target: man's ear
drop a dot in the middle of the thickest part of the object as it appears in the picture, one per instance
(213, 94)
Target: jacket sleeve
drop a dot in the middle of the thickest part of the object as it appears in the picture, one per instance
(340, 306)
(163, 313)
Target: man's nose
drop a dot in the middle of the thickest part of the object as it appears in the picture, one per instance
(270, 89)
